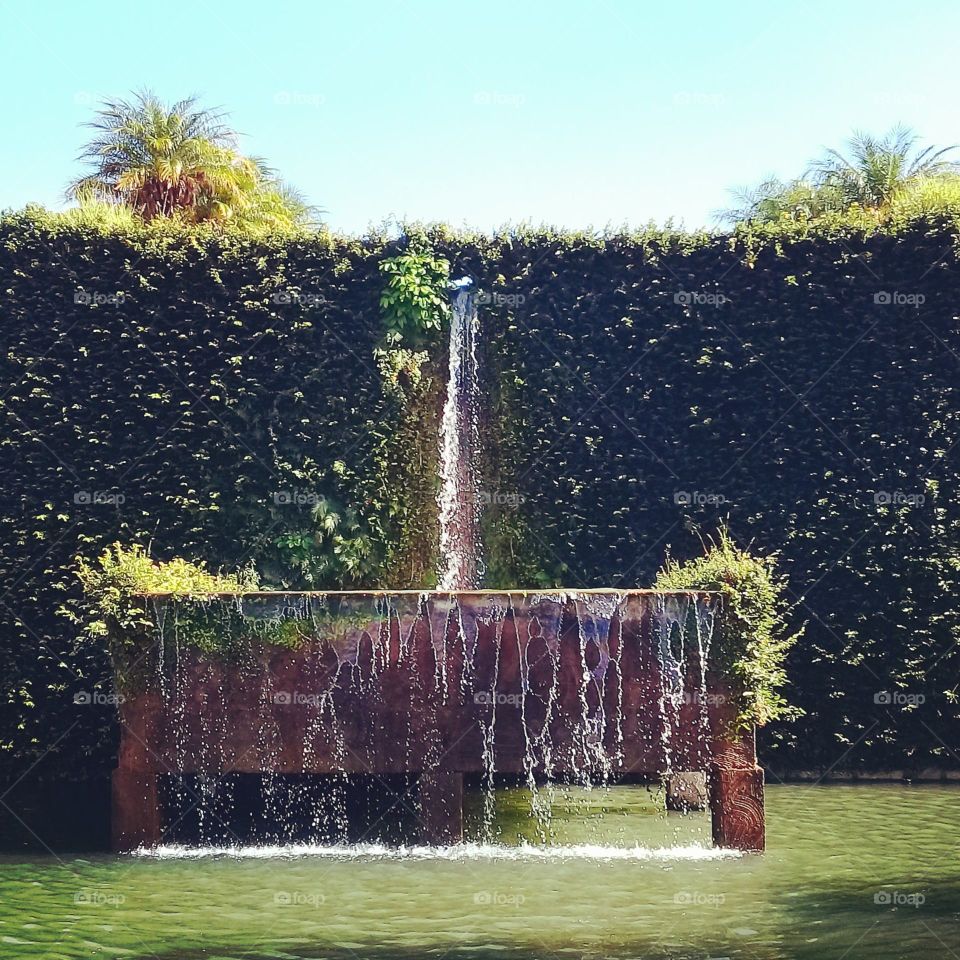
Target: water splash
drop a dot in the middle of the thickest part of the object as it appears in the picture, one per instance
(460, 851)
(458, 499)
(554, 687)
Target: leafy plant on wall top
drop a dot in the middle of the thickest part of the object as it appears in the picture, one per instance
(414, 302)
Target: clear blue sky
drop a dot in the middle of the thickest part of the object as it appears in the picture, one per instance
(486, 113)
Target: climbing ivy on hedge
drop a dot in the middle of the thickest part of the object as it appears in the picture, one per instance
(217, 397)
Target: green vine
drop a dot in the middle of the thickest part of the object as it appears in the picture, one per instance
(413, 305)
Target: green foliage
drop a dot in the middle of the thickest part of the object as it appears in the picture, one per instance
(414, 302)
(751, 638)
(877, 169)
(212, 625)
(114, 585)
(627, 414)
(930, 198)
(773, 200)
(117, 607)
(236, 367)
(332, 549)
(413, 306)
(875, 174)
(199, 389)
(180, 160)
(403, 370)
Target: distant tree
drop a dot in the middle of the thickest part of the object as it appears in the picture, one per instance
(876, 169)
(874, 172)
(773, 199)
(180, 160)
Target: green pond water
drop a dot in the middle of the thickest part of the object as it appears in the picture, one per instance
(851, 872)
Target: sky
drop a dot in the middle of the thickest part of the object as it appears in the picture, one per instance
(572, 113)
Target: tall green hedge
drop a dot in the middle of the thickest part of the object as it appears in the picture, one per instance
(810, 397)
(197, 393)
(639, 388)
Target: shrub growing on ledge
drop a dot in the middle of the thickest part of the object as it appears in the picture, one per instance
(116, 584)
(751, 638)
(117, 590)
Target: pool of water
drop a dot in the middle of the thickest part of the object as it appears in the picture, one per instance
(851, 872)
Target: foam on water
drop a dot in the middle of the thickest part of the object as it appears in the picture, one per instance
(456, 852)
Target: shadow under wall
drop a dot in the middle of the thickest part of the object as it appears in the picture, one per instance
(59, 816)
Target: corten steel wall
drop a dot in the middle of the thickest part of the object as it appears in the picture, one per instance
(419, 689)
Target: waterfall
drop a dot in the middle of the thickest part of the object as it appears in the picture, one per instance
(458, 499)
(550, 688)
(574, 687)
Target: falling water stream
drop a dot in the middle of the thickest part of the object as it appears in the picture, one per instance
(459, 501)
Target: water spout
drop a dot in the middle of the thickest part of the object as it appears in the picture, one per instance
(458, 499)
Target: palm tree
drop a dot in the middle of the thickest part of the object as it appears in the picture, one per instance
(274, 205)
(181, 160)
(877, 171)
(879, 168)
(773, 199)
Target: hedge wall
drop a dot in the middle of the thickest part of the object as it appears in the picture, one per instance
(805, 388)
(199, 394)
(640, 388)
